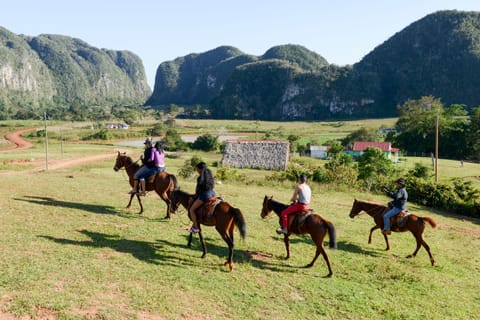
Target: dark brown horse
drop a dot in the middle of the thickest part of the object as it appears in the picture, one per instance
(224, 218)
(312, 224)
(414, 224)
(163, 184)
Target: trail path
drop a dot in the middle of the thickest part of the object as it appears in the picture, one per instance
(19, 143)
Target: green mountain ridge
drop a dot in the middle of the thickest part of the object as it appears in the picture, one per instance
(437, 55)
(55, 70)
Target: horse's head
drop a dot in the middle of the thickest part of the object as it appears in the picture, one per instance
(266, 208)
(174, 201)
(356, 209)
(121, 160)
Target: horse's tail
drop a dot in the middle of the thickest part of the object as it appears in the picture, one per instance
(430, 221)
(174, 180)
(239, 221)
(332, 234)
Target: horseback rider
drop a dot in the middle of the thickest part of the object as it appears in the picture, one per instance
(399, 204)
(300, 199)
(153, 162)
(203, 191)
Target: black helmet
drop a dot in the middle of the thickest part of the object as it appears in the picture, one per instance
(302, 177)
(401, 181)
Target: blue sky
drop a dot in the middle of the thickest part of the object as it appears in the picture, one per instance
(342, 31)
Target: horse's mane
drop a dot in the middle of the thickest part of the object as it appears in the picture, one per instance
(372, 203)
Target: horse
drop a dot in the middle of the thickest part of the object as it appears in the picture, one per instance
(312, 224)
(414, 224)
(163, 184)
(224, 218)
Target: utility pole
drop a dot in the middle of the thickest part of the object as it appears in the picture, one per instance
(46, 141)
(436, 150)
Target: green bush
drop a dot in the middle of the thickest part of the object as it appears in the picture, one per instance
(206, 142)
(188, 168)
(226, 174)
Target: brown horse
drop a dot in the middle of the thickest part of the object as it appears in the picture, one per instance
(312, 224)
(224, 218)
(414, 224)
(163, 184)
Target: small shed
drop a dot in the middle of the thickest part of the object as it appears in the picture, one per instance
(319, 152)
(256, 154)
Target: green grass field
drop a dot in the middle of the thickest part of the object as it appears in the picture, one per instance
(70, 250)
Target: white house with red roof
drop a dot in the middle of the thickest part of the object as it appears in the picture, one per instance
(359, 148)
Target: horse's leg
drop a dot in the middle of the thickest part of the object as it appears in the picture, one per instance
(386, 241)
(190, 238)
(229, 240)
(287, 245)
(320, 250)
(371, 231)
(140, 202)
(204, 248)
(130, 202)
(384, 236)
(165, 199)
(421, 242)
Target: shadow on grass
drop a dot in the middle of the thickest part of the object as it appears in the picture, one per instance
(48, 201)
(353, 248)
(141, 250)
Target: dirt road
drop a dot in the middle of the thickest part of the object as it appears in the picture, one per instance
(19, 143)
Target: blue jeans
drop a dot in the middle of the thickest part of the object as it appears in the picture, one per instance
(204, 196)
(145, 173)
(386, 217)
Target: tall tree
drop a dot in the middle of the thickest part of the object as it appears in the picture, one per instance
(416, 128)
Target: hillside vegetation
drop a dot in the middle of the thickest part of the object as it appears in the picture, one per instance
(54, 71)
(437, 55)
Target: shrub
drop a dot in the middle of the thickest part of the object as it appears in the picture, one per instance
(188, 169)
(225, 173)
(206, 142)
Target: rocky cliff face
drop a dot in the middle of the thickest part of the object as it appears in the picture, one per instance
(50, 70)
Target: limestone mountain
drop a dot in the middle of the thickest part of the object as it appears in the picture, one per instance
(53, 70)
(196, 78)
(437, 55)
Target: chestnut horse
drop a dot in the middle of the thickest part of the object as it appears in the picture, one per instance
(224, 218)
(313, 224)
(414, 224)
(163, 184)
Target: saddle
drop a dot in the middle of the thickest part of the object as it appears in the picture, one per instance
(207, 209)
(297, 220)
(399, 220)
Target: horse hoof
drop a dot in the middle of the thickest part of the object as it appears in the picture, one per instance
(409, 256)
(229, 264)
